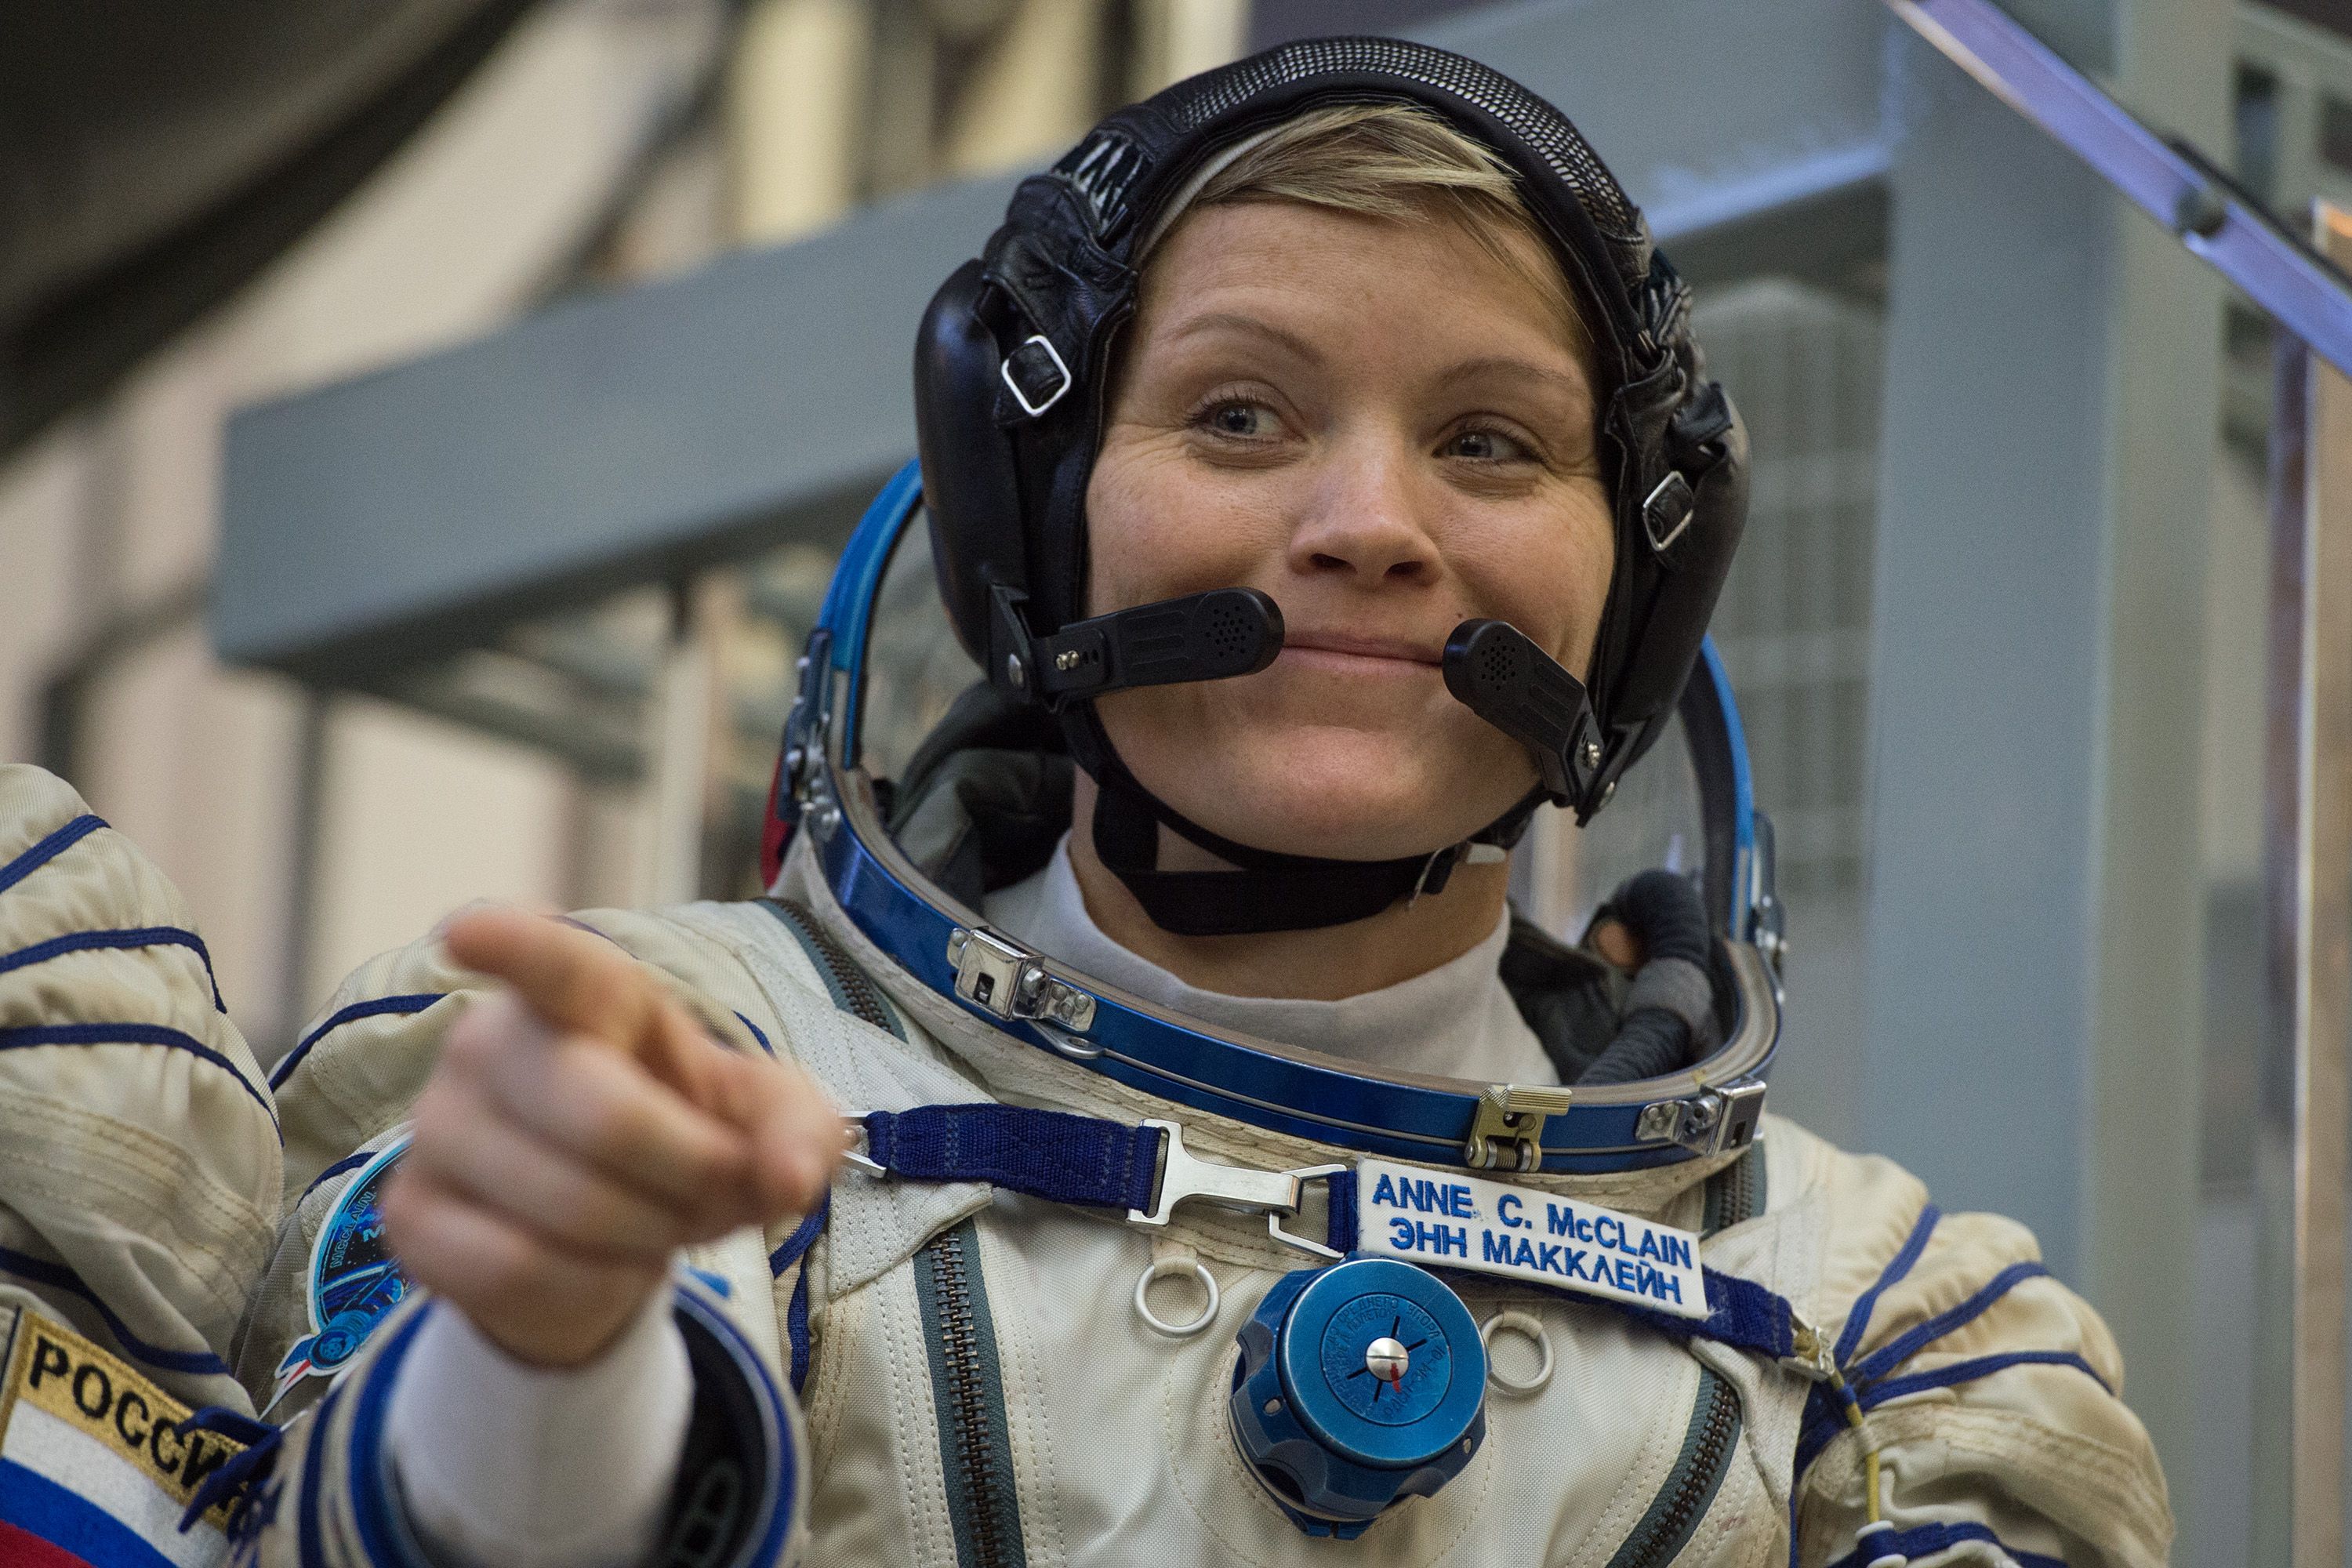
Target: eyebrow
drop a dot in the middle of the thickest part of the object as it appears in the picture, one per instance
(1249, 326)
(1574, 385)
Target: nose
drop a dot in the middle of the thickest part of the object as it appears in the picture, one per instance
(1365, 523)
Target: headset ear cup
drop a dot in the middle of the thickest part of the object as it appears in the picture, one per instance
(969, 485)
(1666, 644)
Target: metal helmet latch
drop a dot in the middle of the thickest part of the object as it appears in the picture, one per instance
(1506, 1132)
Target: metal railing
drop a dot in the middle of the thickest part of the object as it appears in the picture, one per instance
(2307, 823)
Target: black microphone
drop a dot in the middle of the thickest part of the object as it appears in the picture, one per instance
(1213, 635)
(1496, 671)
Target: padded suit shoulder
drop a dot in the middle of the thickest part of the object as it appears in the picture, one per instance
(139, 1142)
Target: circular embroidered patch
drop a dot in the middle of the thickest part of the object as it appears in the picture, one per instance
(353, 1279)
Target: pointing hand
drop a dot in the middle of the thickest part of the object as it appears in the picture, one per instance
(580, 1127)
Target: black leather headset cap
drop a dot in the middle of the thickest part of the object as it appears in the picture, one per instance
(1014, 354)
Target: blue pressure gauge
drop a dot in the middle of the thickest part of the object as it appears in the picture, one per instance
(1358, 1384)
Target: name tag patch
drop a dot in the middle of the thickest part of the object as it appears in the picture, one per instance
(1450, 1221)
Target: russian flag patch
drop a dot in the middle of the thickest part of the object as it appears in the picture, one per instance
(93, 1473)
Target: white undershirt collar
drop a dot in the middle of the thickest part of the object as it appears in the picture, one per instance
(1456, 1020)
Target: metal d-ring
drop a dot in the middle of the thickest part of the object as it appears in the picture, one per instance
(1529, 1327)
(1200, 1274)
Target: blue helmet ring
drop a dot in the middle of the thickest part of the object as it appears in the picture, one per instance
(827, 786)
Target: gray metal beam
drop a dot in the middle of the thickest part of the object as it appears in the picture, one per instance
(2301, 1156)
(384, 521)
(603, 443)
(1779, 104)
(2036, 891)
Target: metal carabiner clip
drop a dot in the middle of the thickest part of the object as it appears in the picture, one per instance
(1184, 1177)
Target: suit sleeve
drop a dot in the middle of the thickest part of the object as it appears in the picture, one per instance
(1993, 1395)
(139, 1142)
(333, 1499)
(329, 1339)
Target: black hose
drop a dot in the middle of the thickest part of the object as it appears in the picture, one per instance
(1664, 912)
(1650, 1042)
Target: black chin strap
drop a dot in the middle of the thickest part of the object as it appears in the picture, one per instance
(1269, 892)
(1298, 893)
(1489, 666)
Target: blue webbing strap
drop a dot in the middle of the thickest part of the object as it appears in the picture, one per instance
(1051, 1154)
(1740, 1313)
(1071, 1159)
(1340, 1228)
(1067, 1158)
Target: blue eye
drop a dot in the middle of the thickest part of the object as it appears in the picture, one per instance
(1244, 421)
(1486, 447)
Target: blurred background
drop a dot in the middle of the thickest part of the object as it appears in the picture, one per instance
(426, 426)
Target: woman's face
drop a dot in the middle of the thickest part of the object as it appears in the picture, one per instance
(1385, 428)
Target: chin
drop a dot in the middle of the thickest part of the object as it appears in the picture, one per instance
(1346, 796)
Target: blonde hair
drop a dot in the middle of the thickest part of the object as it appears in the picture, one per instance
(1401, 163)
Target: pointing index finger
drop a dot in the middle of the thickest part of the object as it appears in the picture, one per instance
(573, 979)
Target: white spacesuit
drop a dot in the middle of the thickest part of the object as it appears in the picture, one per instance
(1125, 1270)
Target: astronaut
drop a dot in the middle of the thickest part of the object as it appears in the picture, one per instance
(1320, 477)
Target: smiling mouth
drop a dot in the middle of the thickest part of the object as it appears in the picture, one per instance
(1341, 650)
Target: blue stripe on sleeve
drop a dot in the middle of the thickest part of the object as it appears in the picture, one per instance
(58, 1276)
(133, 937)
(373, 1008)
(763, 1426)
(348, 1163)
(386, 1536)
(1966, 1371)
(1857, 1322)
(1923, 1540)
(130, 1035)
(310, 1518)
(47, 849)
(1914, 1340)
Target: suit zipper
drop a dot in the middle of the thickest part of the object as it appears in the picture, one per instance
(964, 1373)
(1697, 1475)
(972, 1440)
(1735, 1195)
(853, 993)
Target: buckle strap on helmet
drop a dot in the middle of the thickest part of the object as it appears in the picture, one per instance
(1284, 892)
